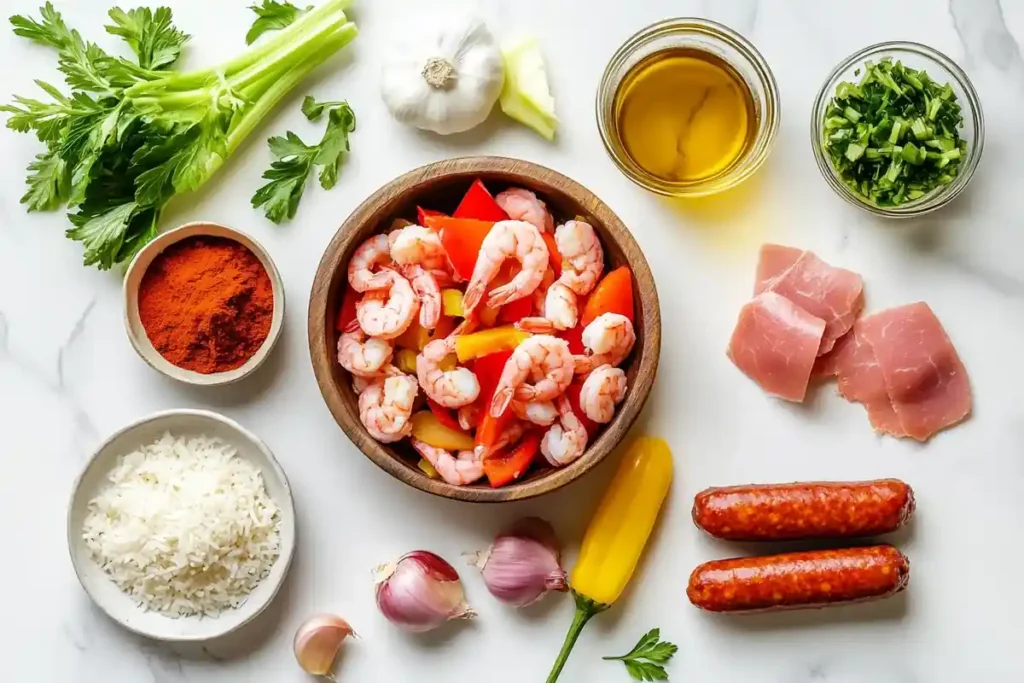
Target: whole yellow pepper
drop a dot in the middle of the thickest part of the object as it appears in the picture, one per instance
(617, 535)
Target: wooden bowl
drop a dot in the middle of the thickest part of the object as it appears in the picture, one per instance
(440, 186)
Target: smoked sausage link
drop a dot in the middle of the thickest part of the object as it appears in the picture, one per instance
(799, 580)
(772, 512)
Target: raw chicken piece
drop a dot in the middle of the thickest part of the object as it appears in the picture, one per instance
(775, 343)
(926, 381)
(830, 293)
(861, 379)
(775, 259)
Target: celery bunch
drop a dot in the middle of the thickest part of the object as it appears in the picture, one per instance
(134, 133)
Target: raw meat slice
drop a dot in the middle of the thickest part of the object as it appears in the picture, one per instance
(861, 379)
(926, 381)
(830, 293)
(774, 260)
(775, 343)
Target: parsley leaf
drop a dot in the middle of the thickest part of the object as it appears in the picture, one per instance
(294, 160)
(645, 662)
(150, 34)
(50, 31)
(272, 16)
(314, 110)
(48, 183)
(102, 234)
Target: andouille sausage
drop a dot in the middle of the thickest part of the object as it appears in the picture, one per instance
(772, 512)
(799, 580)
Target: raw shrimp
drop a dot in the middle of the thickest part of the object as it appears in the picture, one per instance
(542, 413)
(416, 245)
(464, 469)
(541, 355)
(603, 389)
(507, 240)
(362, 356)
(608, 339)
(469, 416)
(375, 251)
(451, 388)
(567, 439)
(428, 293)
(388, 312)
(523, 205)
(385, 407)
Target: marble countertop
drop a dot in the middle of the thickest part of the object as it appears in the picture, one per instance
(68, 376)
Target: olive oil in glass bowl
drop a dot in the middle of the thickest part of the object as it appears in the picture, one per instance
(688, 107)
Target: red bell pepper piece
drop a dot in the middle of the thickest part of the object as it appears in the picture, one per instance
(480, 205)
(422, 214)
(461, 239)
(444, 415)
(575, 339)
(572, 393)
(613, 294)
(347, 311)
(516, 310)
(554, 258)
(507, 466)
(488, 371)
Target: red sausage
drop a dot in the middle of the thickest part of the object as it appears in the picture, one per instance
(799, 580)
(772, 512)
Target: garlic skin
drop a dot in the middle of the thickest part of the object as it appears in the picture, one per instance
(420, 591)
(444, 75)
(522, 565)
(317, 642)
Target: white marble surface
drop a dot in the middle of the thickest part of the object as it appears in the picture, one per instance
(68, 377)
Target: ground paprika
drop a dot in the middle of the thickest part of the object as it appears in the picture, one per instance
(206, 304)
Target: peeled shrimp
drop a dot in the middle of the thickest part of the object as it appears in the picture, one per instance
(608, 339)
(375, 251)
(388, 312)
(603, 389)
(385, 407)
(416, 245)
(469, 416)
(560, 312)
(464, 469)
(428, 293)
(362, 356)
(451, 388)
(511, 434)
(582, 256)
(566, 440)
(507, 240)
(542, 413)
(523, 205)
(541, 355)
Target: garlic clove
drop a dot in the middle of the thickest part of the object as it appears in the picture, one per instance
(522, 565)
(317, 642)
(420, 591)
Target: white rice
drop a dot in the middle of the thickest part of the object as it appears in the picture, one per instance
(186, 527)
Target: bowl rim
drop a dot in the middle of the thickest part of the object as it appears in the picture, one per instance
(287, 505)
(319, 318)
(939, 197)
(130, 292)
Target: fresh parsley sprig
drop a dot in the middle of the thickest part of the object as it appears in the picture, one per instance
(646, 661)
(294, 160)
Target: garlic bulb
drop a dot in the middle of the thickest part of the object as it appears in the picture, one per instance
(445, 75)
(522, 564)
(420, 591)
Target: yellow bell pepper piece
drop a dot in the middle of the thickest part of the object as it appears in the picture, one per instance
(451, 303)
(428, 429)
(449, 362)
(405, 359)
(414, 338)
(617, 534)
(486, 342)
(427, 469)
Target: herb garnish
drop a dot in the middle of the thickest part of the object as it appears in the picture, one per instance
(646, 661)
(272, 16)
(894, 136)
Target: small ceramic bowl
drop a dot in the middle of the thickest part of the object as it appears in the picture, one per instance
(941, 69)
(117, 604)
(137, 333)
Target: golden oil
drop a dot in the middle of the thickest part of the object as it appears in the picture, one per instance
(684, 115)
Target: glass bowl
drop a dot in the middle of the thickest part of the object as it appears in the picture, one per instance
(729, 46)
(941, 69)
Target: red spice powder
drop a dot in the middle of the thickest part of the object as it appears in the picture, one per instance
(206, 304)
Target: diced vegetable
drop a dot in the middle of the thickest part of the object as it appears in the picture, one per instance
(486, 316)
(405, 360)
(613, 294)
(573, 394)
(451, 303)
(428, 429)
(554, 258)
(427, 469)
(525, 95)
(414, 338)
(488, 371)
(507, 466)
(486, 342)
(445, 326)
(444, 415)
(461, 238)
(870, 129)
(422, 214)
(449, 362)
(575, 339)
(478, 204)
(347, 311)
(515, 311)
